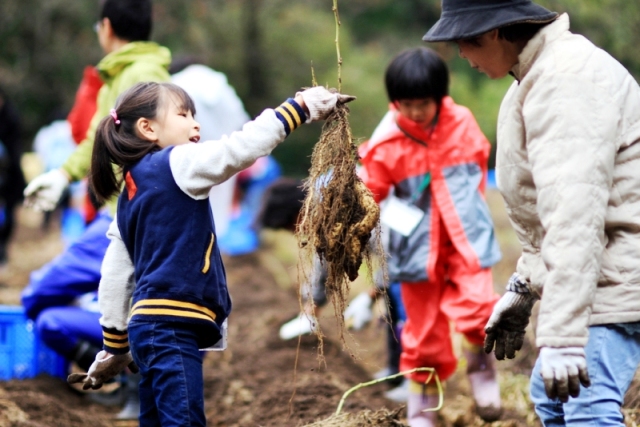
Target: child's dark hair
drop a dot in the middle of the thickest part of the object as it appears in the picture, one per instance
(416, 74)
(281, 204)
(117, 141)
(131, 20)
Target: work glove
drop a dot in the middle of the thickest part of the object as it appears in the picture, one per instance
(44, 191)
(105, 367)
(321, 101)
(509, 319)
(358, 313)
(563, 370)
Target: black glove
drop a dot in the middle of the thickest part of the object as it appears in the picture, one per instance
(105, 367)
(506, 326)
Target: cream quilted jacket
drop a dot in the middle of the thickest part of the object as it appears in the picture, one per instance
(568, 167)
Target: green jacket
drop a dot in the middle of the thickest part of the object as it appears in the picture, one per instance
(133, 63)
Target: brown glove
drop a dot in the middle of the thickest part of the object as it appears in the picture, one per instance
(105, 367)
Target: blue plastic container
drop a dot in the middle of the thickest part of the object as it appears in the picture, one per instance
(22, 353)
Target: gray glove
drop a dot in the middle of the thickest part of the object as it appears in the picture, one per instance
(506, 326)
(105, 367)
(563, 370)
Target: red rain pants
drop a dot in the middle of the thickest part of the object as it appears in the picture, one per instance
(457, 294)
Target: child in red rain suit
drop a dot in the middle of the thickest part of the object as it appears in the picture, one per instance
(428, 158)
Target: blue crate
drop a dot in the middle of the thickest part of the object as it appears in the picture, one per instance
(22, 353)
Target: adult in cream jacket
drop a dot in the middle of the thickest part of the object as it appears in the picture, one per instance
(568, 167)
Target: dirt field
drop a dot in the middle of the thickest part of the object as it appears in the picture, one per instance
(256, 382)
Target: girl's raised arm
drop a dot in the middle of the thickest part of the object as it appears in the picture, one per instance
(198, 167)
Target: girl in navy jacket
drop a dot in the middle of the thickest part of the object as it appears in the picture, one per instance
(163, 294)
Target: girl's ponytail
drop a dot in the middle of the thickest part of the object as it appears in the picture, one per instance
(102, 178)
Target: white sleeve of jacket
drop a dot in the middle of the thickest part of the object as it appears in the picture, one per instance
(117, 283)
(198, 167)
(571, 126)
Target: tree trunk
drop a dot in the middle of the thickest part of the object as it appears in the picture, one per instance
(254, 62)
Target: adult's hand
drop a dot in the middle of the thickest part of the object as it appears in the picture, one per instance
(506, 327)
(563, 370)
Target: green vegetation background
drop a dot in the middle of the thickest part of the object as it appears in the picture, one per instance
(267, 48)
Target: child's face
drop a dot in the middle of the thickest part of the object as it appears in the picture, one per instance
(421, 111)
(174, 125)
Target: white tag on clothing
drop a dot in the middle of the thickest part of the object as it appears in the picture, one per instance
(400, 216)
(222, 342)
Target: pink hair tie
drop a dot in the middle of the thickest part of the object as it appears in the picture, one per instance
(115, 116)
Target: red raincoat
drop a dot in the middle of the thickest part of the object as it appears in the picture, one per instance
(444, 265)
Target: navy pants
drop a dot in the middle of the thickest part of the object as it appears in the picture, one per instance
(172, 384)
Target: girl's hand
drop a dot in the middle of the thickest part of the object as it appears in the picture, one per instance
(320, 102)
(105, 367)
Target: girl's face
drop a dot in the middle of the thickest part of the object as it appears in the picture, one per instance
(421, 111)
(174, 125)
(489, 54)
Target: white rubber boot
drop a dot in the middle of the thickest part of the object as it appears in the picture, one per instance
(481, 369)
(419, 399)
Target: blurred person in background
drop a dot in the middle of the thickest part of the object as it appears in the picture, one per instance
(242, 235)
(52, 145)
(79, 118)
(11, 178)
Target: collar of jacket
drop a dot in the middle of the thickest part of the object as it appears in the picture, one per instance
(148, 52)
(535, 46)
(416, 131)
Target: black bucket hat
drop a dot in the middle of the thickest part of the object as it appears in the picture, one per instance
(463, 19)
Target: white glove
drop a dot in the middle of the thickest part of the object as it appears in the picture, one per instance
(321, 102)
(44, 191)
(358, 313)
(563, 370)
(105, 367)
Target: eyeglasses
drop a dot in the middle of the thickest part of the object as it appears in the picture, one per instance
(96, 26)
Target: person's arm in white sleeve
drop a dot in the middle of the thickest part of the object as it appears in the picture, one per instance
(198, 167)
